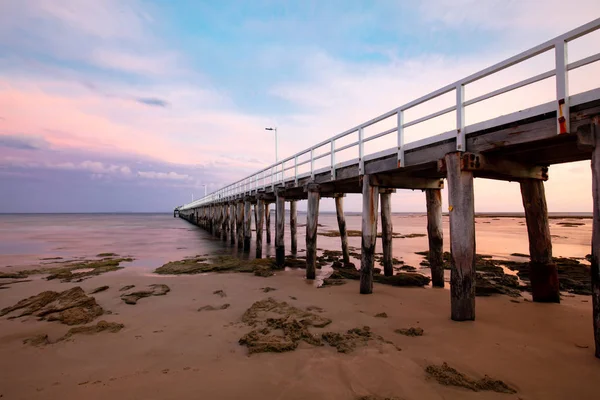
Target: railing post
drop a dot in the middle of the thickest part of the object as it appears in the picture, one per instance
(460, 118)
(332, 159)
(400, 131)
(562, 88)
(312, 165)
(283, 173)
(361, 152)
(272, 179)
(296, 170)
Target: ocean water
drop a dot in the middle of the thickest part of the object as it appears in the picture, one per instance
(153, 239)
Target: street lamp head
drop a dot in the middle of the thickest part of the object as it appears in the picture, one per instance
(270, 129)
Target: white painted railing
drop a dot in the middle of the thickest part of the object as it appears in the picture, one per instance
(278, 173)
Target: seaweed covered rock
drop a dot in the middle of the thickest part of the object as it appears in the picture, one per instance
(410, 331)
(347, 342)
(85, 269)
(201, 264)
(282, 333)
(155, 290)
(99, 289)
(573, 276)
(72, 270)
(400, 279)
(71, 307)
(449, 376)
(101, 326)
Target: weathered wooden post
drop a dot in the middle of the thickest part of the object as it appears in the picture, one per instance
(220, 219)
(232, 219)
(247, 224)
(239, 226)
(268, 221)
(225, 221)
(589, 136)
(294, 226)
(213, 215)
(370, 200)
(341, 219)
(259, 226)
(543, 274)
(279, 228)
(387, 230)
(596, 234)
(255, 215)
(312, 222)
(435, 234)
(462, 238)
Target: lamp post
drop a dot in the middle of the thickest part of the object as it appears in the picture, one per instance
(275, 130)
(205, 191)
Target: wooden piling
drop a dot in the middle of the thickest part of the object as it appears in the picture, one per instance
(247, 224)
(259, 226)
(279, 229)
(268, 221)
(435, 233)
(225, 221)
(369, 234)
(387, 231)
(213, 216)
(312, 222)
(596, 233)
(339, 210)
(239, 226)
(293, 226)
(462, 239)
(232, 219)
(255, 216)
(543, 274)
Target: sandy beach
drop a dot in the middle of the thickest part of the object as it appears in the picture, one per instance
(168, 349)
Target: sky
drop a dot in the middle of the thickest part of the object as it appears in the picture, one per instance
(125, 105)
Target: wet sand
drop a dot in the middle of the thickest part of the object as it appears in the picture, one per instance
(169, 350)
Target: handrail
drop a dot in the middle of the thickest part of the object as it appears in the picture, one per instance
(275, 174)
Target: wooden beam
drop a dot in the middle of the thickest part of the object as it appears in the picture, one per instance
(260, 213)
(596, 234)
(339, 210)
(294, 226)
(500, 168)
(239, 226)
(542, 271)
(312, 221)
(399, 181)
(369, 234)
(462, 239)
(435, 234)
(247, 223)
(387, 231)
(279, 229)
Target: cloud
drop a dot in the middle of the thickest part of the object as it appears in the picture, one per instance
(164, 175)
(23, 142)
(153, 101)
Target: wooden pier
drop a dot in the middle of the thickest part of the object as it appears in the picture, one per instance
(517, 147)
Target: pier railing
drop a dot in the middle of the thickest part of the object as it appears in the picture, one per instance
(288, 169)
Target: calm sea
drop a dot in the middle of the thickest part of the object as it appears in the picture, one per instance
(153, 239)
